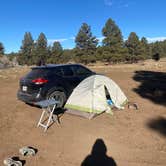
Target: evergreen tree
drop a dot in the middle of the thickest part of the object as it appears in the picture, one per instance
(156, 57)
(144, 41)
(99, 53)
(113, 50)
(67, 56)
(84, 39)
(157, 50)
(1, 49)
(164, 48)
(56, 53)
(112, 34)
(134, 47)
(27, 48)
(86, 45)
(145, 48)
(57, 46)
(41, 51)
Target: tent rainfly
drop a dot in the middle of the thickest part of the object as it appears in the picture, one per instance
(91, 96)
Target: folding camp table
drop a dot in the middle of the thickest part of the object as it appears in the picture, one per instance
(48, 107)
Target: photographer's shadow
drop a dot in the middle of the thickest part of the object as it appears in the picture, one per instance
(98, 156)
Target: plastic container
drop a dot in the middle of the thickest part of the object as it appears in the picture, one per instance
(110, 102)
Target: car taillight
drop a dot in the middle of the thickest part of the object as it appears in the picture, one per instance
(21, 78)
(39, 81)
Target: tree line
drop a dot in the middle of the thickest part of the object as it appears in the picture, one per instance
(88, 49)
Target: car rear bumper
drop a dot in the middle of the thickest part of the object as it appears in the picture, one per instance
(29, 98)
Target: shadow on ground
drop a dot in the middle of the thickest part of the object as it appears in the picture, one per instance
(152, 87)
(98, 156)
(158, 125)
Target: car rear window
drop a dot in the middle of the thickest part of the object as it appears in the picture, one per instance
(35, 73)
(67, 71)
(80, 70)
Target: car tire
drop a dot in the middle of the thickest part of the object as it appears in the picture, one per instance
(59, 96)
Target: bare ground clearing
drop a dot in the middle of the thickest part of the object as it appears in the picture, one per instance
(132, 138)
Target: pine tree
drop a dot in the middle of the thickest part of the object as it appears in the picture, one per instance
(84, 39)
(41, 51)
(134, 47)
(67, 56)
(27, 49)
(144, 41)
(57, 46)
(56, 52)
(113, 50)
(164, 48)
(112, 34)
(1, 49)
(145, 48)
(157, 50)
(86, 44)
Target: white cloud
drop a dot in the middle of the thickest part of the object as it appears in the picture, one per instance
(72, 38)
(108, 2)
(154, 39)
(54, 40)
(117, 4)
(61, 40)
(150, 39)
(100, 39)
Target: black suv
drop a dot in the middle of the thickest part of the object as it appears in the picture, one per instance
(51, 81)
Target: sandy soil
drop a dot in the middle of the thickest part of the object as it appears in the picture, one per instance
(128, 138)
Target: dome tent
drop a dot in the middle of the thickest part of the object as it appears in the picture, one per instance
(89, 98)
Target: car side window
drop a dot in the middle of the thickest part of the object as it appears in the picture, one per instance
(80, 70)
(58, 71)
(67, 71)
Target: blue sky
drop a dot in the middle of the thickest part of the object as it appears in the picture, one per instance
(61, 19)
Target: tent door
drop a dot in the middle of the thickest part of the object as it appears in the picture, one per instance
(108, 97)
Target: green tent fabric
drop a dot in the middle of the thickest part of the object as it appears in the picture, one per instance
(90, 96)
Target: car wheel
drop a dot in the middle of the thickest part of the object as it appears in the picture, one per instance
(59, 96)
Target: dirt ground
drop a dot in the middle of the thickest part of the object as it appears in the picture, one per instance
(128, 138)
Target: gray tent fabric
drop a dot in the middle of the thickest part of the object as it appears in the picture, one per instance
(89, 97)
